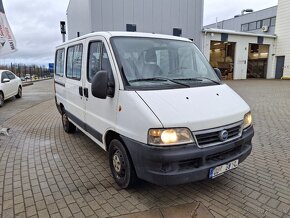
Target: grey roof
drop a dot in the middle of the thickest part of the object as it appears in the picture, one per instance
(232, 32)
(235, 23)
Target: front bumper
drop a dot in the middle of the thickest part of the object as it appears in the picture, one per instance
(184, 164)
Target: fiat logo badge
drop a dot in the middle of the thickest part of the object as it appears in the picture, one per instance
(224, 135)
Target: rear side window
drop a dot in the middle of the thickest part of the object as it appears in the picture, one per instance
(4, 76)
(11, 76)
(59, 62)
(74, 62)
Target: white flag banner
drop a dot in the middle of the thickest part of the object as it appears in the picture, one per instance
(7, 40)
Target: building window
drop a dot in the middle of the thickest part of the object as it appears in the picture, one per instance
(273, 21)
(74, 62)
(245, 27)
(59, 62)
(266, 22)
(259, 24)
(253, 26)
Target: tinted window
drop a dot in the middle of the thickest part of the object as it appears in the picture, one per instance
(10, 75)
(259, 24)
(74, 62)
(252, 26)
(4, 76)
(59, 62)
(273, 21)
(266, 22)
(94, 64)
(245, 27)
(98, 59)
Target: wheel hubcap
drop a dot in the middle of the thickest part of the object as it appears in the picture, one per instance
(117, 163)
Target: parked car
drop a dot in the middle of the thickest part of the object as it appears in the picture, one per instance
(155, 104)
(27, 76)
(22, 79)
(10, 86)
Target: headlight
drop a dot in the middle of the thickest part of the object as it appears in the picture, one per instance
(169, 137)
(248, 120)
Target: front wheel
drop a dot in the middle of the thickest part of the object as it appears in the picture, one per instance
(67, 125)
(121, 165)
(1, 99)
(19, 93)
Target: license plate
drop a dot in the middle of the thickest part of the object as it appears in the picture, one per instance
(218, 171)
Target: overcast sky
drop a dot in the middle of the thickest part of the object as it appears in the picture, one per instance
(35, 24)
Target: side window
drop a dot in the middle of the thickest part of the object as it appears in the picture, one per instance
(105, 64)
(94, 60)
(74, 62)
(4, 76)
(11, 76)
(59, 62)
(98, 59)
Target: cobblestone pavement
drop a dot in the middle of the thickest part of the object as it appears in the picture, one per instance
(32, 95)
(46, 172)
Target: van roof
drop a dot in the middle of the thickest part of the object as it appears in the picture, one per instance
(110, 34)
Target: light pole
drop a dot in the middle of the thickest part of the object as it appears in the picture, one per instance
(62, 30)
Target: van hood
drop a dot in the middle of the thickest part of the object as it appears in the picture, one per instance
(196, 108)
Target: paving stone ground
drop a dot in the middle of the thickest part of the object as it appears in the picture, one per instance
(45, 172)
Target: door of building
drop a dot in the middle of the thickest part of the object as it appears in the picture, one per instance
(280, 67)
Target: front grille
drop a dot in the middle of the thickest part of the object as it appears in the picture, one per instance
(224, 155)
(211, 137)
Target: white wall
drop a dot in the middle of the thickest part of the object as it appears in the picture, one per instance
(283, 34)
(241, 52)
(78, 18)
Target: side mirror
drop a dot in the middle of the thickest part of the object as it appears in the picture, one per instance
(6, 80)
(218, 73)
(102, 85)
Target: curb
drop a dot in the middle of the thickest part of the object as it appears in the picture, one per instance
(27, 84)
(32, 82)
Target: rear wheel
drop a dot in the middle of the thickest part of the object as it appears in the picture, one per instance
(19, 93)
(121, 165)
(1, 99)
(67, 125)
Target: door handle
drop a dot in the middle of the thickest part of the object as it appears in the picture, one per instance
(81, 91)
(86, 92)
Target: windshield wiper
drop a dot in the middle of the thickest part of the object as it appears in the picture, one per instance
(200, 79)
(159, 79)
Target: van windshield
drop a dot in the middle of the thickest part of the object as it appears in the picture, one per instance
(152, 63)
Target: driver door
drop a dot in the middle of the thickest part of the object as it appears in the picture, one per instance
(100, 114)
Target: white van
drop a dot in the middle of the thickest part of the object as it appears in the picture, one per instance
(155, 104)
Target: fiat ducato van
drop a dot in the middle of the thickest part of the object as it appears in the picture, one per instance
(155, 104)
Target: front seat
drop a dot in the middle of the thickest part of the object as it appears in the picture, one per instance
(150, 68)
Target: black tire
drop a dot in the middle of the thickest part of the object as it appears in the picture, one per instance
(1, 99)
(121, 165)
(19, 93)
(67, 125)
